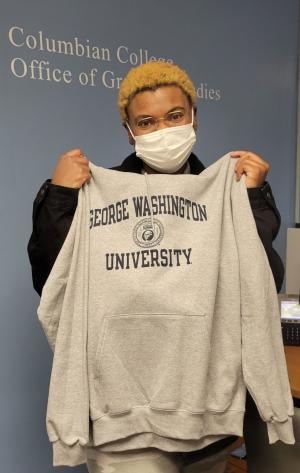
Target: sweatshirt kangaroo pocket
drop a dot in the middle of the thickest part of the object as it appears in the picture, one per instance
(159, 360)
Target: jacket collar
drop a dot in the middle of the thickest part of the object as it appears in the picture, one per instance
(134, 164)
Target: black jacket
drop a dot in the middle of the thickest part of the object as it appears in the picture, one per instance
(54, 207)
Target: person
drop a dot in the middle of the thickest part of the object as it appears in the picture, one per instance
(156, 101)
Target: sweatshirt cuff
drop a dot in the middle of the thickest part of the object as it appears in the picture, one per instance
(70, 455)
(281, 431)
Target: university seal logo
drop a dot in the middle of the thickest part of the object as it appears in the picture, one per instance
(146, 236)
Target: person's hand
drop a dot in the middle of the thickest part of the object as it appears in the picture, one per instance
(72, 169)
(255, 168)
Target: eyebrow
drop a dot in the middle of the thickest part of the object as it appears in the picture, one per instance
(169, 111)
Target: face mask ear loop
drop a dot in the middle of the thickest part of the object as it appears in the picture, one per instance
(193, 116)
(130, 130)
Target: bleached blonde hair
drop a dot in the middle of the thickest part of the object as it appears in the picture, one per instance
(150, 76)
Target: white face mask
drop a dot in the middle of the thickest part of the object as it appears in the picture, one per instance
(166, 150)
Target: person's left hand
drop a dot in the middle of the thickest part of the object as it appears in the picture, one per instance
(255, 168)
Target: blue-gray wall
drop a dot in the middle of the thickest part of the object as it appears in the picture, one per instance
(245, 52)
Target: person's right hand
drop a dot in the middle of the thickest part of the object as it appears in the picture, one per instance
(72, 169)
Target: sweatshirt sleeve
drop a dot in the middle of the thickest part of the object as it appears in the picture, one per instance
(53, 292)
(63, 314)
(263, 359)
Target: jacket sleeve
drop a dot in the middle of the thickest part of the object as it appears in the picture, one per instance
(62, 313)
(53, 210)
(263, 359)
(267, 220)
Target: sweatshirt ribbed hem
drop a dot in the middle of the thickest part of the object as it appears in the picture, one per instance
(153, 440)
(69, 455)
(176, 430)
(281, 431)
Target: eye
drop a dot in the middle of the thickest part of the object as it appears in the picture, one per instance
(145, 122)
(175, 116)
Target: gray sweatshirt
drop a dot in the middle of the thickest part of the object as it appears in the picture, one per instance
(161, 310)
